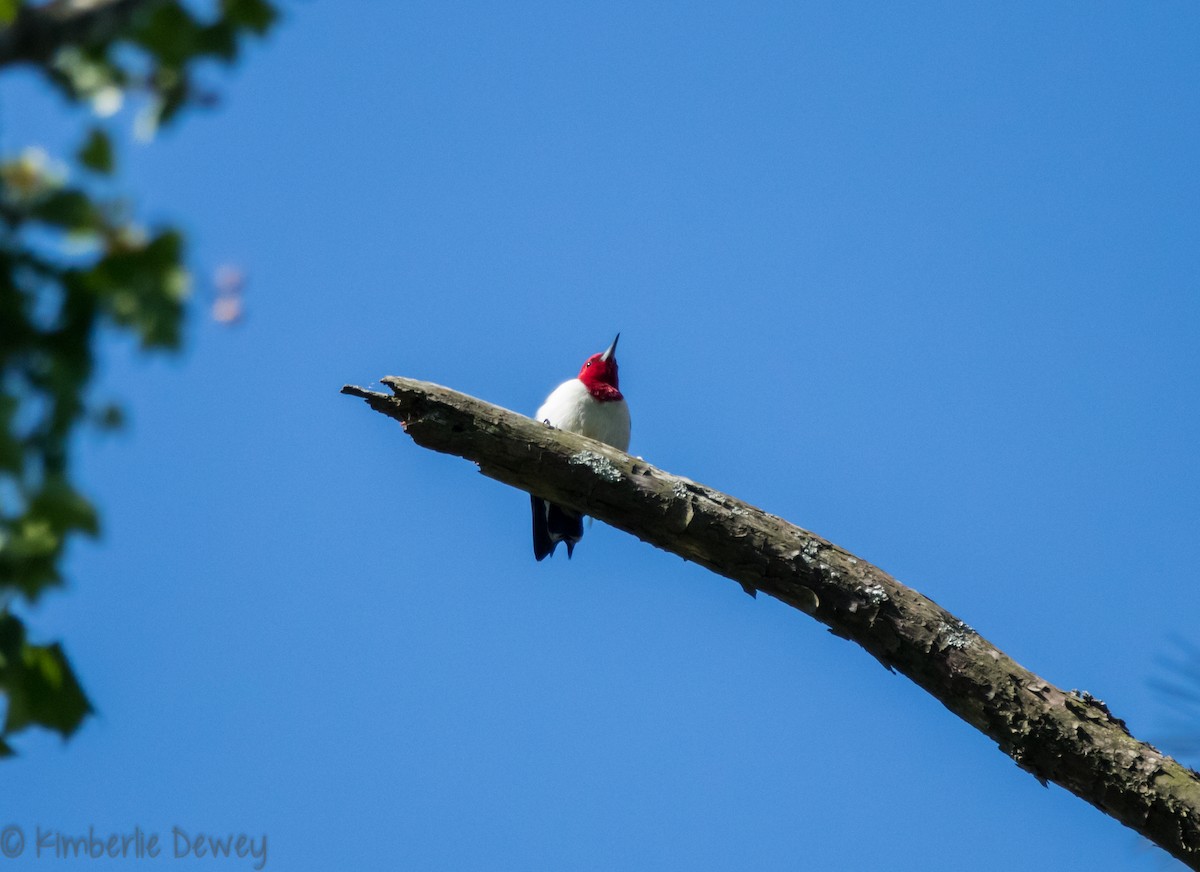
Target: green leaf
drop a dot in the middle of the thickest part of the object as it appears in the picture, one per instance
(173, 93)
(29, 551)
(143, 288)
(42, 690)
(83, 72)
(97, 153)
(70, 209)
(12, 455)
(12, 638)
(170, 34)
(33, 538)
(257, 16)
(64, 508)
(219, 40)
(8, 14)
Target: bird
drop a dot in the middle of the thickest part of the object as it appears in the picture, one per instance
(592, 405)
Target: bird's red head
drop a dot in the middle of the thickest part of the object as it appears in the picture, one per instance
(599, 374)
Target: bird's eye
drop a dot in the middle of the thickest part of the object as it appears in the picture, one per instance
(589, 363)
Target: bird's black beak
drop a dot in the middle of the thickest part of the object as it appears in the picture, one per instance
(611, 350)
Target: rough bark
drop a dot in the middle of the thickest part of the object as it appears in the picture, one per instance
(1070, 738)
(39, 32)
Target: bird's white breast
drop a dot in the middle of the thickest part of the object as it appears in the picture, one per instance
(570, 407)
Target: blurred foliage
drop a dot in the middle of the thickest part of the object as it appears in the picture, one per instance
(73, 265)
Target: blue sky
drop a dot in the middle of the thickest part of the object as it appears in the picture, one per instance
(920, 278)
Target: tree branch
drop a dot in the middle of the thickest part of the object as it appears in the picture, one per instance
(1069, 738)
(39, 32)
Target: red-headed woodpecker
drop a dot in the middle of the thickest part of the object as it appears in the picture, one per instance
(590, 404)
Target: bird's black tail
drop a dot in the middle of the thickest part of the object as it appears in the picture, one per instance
(553, 524)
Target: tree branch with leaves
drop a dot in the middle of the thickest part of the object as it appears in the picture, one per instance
(75, 265)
